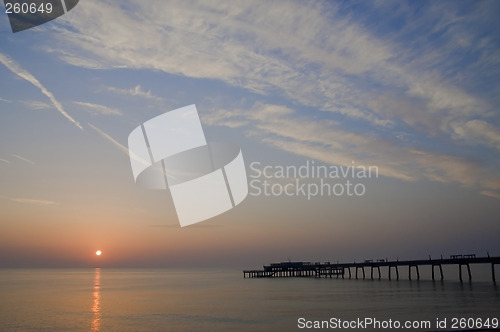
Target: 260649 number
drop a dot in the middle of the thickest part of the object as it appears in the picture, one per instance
(27, 8)
(474, 323)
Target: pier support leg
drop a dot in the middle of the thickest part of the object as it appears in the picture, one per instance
(440, 271)
(362, 268)
(493, 272)
(396, 269)
(371, 272)
(397, 272)
(349, 269)
(468, 271)
(409, 271)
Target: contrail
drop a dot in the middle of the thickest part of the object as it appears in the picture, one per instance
(122, 148)
(111, 139)
(19, 71)
(24, 159)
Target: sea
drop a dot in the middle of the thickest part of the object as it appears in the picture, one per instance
(105, 299)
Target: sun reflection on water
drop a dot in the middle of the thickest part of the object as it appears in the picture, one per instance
(96, 301)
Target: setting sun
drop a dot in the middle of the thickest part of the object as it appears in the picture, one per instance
(98, 253)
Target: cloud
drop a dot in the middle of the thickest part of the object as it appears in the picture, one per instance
(135, 91)
(37, 105)
(37, 202)
(478, 131)
(99, 109)
(491, 194)
(308, 52)
(219, 41)
(5, 100)
(357, 85)
(24, 159)
(5, 161)
(19, 71)
(284, 128)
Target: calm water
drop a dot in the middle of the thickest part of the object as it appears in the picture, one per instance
(221, 300)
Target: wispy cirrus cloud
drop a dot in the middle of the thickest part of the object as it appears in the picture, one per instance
(5, 161)
(36, 202)
(309, 53)
(490, 193)
(37, 105)
(357, 87)
(478, 131)
(99, 109)
(24, 74)
(136, 91)
(284, 128)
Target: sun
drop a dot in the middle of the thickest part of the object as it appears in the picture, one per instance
(98, 253)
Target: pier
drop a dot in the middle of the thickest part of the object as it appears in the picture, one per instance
(327, 269)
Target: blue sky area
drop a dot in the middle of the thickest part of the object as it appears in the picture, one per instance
(410, 87)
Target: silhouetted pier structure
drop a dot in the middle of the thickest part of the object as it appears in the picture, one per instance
(308, 269)
(295, 269)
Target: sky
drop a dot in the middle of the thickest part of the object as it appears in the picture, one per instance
(410, 88)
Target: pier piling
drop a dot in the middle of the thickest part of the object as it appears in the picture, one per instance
(440, 271)
(371, 272)
(460, 271)
(416, 268)
(397, 271)
(362, 268)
